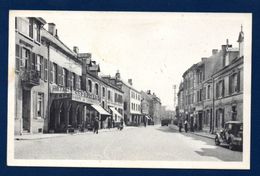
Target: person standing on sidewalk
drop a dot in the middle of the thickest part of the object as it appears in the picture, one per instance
(180, 125)
(96, 126)
(186, 125)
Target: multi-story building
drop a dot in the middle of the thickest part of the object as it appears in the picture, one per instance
(228, 84)
(131, 99)
(31, 94)
(154, 103)
(58, 88)
(212, 92)
(180, 108)
(189, 94)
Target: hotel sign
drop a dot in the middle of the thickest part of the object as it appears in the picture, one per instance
(84, 97)
(59, 89)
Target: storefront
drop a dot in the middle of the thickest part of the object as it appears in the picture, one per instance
(74, 110)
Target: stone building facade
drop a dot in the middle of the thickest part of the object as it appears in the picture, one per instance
(213, 89)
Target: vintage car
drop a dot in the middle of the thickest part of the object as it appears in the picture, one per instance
(165, 122)
(231, 135)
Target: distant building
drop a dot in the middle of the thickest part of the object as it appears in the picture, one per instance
(131, 99)
(154, 106)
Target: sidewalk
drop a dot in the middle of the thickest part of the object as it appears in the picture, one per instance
(55, 135)
(198, 133)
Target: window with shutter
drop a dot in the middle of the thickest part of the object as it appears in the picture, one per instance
(41, 68)
(230, 85)
(238, 81)
(223, 88)
(17, 57)
(33, 61)
(45, 69)
(51, 72)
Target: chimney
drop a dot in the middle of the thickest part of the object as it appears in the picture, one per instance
(130, 81)
(56, 34)
(149, 92)
(52, 29)
(117, 75)
(203, 59)
(76, 49)
(214, 51)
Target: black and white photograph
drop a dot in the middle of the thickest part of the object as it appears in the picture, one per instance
(129, 89)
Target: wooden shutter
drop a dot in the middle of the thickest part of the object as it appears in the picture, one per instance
(238, 81)
(223, 88)
(45, 68)
(33, 61)
(230, 84)
(51, 71)
(42, 67)
(59, 75)
(17, 57)
(69, 79)
(77, 81)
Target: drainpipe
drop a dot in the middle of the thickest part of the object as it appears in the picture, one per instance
(48, 84)
(213, 106)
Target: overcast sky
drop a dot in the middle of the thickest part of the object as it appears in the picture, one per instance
(154, 49)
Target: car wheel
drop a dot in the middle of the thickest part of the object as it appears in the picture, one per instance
(217, 141)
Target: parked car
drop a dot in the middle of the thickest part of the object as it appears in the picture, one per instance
(165, 122)
(231, 135)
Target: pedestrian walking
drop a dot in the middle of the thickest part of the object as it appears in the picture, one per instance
(144, 122)
(180, 126)
(96, 126)
(186, 126)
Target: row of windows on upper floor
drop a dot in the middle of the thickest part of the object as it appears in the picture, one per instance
(135, 107)
(136, 96)
(25, 59)
(206, 92)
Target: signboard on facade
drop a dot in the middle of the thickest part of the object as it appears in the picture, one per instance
(84, 55)
(59, 89)
(85, 97)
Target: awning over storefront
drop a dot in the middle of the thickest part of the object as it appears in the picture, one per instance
(147, 117)
(115, 111)
(100, 109)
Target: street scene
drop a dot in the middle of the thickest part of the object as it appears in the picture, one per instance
(129, 86)
(129, 144)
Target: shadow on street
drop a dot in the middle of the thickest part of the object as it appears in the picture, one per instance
(218, 152)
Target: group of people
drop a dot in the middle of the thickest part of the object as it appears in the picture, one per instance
(185, 126)
(96, 125)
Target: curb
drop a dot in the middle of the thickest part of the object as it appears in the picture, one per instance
(194, 133)
(21, 138)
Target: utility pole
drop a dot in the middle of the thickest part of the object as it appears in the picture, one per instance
(174, 96)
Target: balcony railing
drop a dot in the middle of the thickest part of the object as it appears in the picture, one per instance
(31, 78)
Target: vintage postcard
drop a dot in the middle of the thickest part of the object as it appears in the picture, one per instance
(129, 89)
